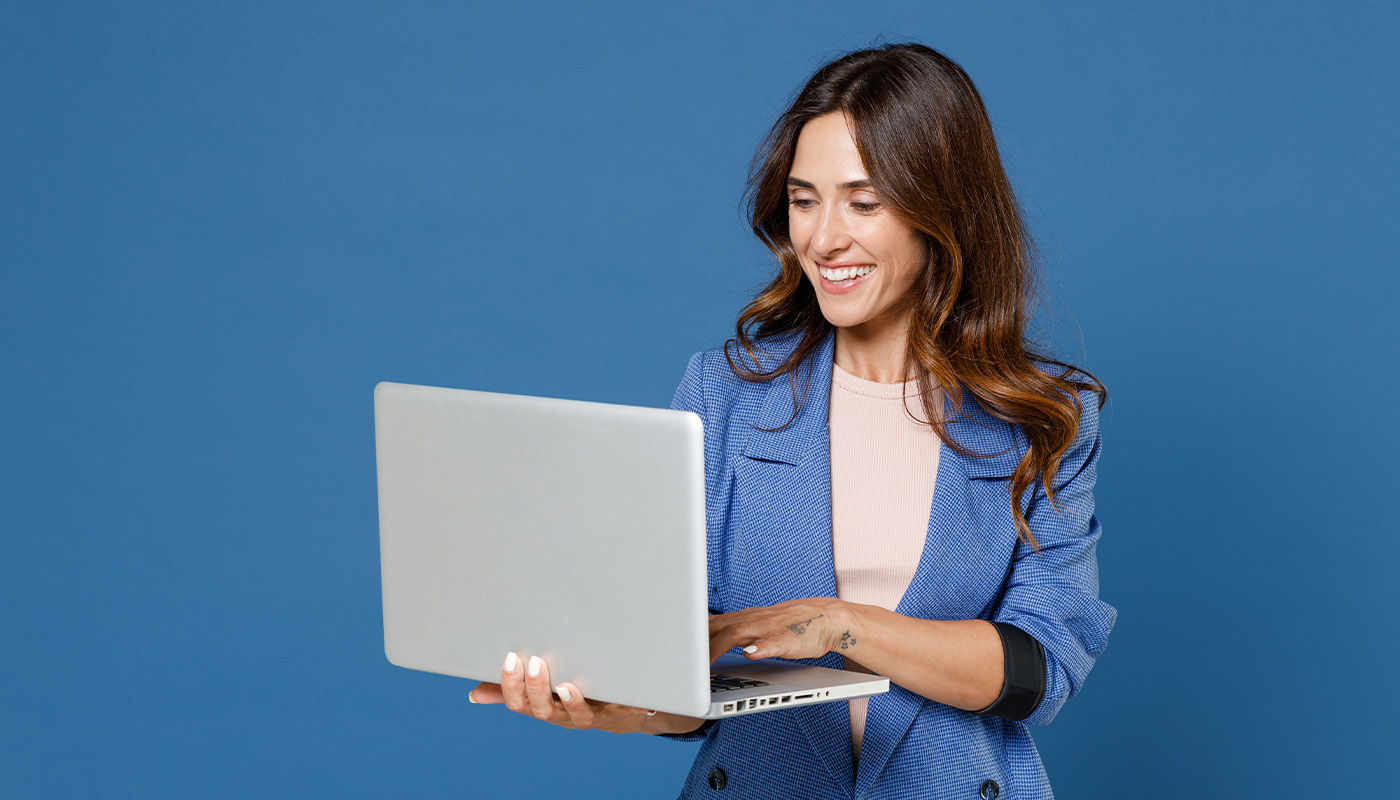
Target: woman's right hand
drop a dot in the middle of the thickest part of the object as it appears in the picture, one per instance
(525, 689)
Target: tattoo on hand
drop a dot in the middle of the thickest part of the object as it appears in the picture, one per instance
(847, 640)
(800, 628)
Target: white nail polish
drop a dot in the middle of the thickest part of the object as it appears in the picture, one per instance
(535, 664)
(564, 693)
(751, 649)
(511, 660)
(471, 697)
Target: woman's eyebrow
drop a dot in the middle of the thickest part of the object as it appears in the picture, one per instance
(864, 183)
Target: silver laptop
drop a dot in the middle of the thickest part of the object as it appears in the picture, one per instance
(568, 530)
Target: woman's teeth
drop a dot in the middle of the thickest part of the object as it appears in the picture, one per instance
(843, 274)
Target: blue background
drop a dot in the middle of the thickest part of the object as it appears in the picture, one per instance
(219, 227)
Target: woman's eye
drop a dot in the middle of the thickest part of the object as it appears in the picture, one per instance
(801, 202)
(865, 208)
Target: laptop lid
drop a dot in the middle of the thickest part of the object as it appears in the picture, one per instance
(570, 530)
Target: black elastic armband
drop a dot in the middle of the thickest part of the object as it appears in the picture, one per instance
(1024, 685)
(693, 736)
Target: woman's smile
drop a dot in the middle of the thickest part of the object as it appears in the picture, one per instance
(843, 279)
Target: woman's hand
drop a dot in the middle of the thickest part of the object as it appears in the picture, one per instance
(808, 628)
(525, 689)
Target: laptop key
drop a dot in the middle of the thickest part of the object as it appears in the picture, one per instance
(724, 683)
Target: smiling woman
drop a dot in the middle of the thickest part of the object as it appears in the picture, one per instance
(897, 482)
(918, 142)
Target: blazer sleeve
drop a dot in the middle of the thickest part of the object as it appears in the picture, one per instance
(690, 396)
(1053, 594)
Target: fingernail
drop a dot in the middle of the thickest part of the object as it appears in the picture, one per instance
(751, 649)
(564, 693)
(535, 664)
(511, 660)
(471, 696)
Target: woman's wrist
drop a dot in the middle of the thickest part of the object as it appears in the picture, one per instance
(847, 627)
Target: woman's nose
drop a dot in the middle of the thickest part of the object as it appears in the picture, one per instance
(831, 235)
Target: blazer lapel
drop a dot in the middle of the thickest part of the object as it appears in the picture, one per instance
(783, 499)
(783, 490)
(963, 539)
(950, 581)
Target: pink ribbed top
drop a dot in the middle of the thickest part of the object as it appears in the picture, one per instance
(883, 467)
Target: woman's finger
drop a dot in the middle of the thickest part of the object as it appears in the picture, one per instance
(780, 644)
(513, 684)
(719, 622)
(486, 693)
(580, 711)
(737, 634)
(538, 691)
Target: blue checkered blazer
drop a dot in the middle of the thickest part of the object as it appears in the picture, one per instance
(768, 514)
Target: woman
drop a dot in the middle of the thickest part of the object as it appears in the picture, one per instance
(895, 482)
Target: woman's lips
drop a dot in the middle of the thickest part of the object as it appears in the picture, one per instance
(842, 280)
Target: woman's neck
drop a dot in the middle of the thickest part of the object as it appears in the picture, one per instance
(877, 356)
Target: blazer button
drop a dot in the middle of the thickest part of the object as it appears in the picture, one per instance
(717, 779)
(989, 790)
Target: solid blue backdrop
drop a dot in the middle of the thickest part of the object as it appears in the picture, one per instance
(220, 227)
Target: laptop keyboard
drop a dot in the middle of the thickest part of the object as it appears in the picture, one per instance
(726, 683)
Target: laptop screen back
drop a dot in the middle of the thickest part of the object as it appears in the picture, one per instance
(569, 530)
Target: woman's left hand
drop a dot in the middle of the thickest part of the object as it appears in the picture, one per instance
(808, 628)
(525, 689)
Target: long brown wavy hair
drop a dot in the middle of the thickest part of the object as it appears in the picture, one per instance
(927, 143)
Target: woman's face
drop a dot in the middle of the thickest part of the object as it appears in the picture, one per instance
(861, 259)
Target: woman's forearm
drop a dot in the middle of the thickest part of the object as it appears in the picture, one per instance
(957, 663)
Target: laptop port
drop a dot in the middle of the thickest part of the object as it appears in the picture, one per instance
(787, 698)
(728, 707)
(802, 697)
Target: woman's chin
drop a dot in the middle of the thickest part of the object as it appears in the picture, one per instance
(844, 321)
(861, 322)
(842, 312)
